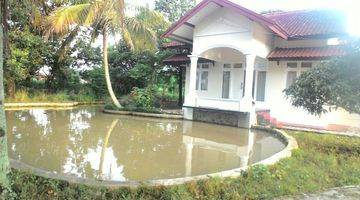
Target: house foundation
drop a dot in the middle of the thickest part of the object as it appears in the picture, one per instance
(221, 117)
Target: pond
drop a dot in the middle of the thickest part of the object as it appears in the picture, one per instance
(86, 143)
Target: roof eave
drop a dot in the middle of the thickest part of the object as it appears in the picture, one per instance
(301, 58)
(248, 13)
(185, 18)
(319, 36)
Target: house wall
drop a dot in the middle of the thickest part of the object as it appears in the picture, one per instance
(215, 82)
(275, 100)
(221, 38)
(221, 30)
(283, 111)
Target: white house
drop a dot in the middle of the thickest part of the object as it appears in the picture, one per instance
(248, 59)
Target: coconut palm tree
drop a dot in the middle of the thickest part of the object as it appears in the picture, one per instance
(108, 17)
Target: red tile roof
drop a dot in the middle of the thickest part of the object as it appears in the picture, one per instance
(288, 25)
(182, 59)
(173, 44)
(310, 23)
(177, 58)
(308, 53)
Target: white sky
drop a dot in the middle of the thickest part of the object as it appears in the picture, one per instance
(350, 7)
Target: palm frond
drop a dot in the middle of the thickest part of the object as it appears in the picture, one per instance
(151, 18)
(64, 18)
(143, 37)
(127, 38)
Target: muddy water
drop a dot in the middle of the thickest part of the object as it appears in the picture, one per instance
(90, 144)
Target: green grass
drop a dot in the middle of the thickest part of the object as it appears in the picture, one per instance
(23, 96)
(323, 161)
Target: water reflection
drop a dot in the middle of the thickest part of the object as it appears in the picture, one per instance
(87, 143)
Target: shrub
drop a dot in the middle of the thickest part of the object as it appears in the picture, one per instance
(143, 98)
(110, 106)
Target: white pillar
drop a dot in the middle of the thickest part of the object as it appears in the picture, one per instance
(188, 161)
(248, 97)
(191, 100)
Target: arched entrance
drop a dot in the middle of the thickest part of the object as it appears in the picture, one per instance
(221, 84)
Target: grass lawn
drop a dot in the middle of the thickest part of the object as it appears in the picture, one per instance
(40, 97)
(323, 161)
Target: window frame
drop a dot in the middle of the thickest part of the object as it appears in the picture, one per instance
(199, 75)
(256, 78)
(299, 69)
(227, 67)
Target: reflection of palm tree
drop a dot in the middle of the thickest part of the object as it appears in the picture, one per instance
(105, 144)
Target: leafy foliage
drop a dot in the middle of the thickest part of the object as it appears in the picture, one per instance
(108, 17)
(143, 98)
(131, 69)
(95, 81)
(332, 84)
(174, 9)
(49, 65)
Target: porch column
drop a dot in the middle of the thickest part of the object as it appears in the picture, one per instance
(248, 95)
(191, 100)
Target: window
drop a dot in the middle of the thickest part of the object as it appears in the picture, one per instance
(205, 66)
(306, 64)
(291, 78)
(295, 69)
(204, 80)
(238, 66)
(227, 66)
(226, 85)
(197, 80)
(260, 86)
(202, 76)
(253, 85)
(292, 64)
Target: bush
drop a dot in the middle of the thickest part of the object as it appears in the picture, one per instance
(139, 100)
(143, 98)
(110, 106)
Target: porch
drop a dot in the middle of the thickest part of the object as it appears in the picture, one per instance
(224, 83)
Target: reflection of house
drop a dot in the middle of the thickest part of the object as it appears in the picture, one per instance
(242, 152)
(210, 145)
(254, 58)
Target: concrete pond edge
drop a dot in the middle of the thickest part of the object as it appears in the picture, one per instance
(291, 144)
(141, 114)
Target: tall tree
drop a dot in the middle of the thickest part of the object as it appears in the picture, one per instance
(108, 17)
(332, 84)
(30, 52)
(174, 9)
(4, 160)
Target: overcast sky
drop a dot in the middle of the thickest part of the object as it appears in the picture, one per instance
(350, 7)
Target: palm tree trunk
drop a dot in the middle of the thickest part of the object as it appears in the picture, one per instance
(4, 159)
(11, 88)
(106, 69)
